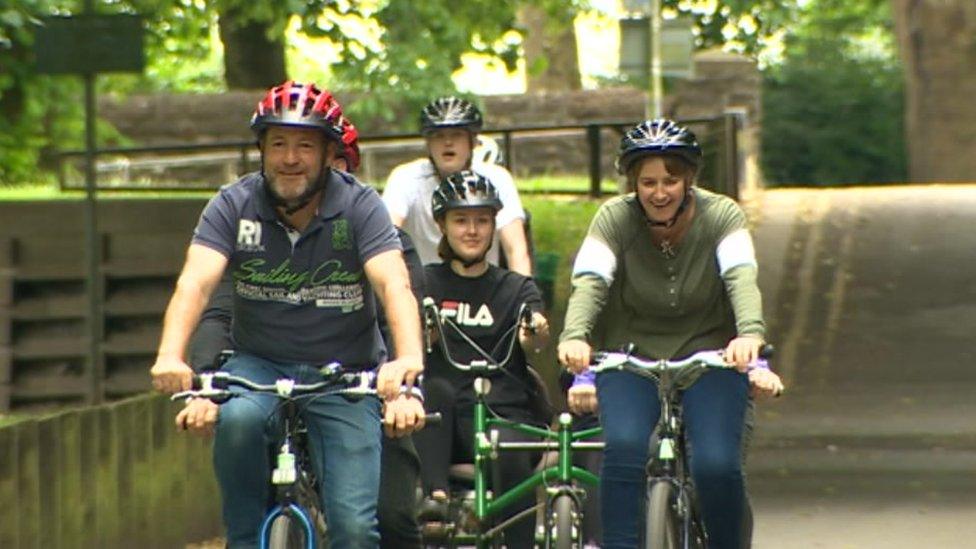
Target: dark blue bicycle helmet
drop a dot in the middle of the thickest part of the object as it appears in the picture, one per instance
(655, 137)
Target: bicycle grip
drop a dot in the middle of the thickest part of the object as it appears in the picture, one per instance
(432, 419)
(767, 351)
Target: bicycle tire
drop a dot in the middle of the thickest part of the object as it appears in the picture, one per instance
(662, 525)
(563, 523)
(286, 533)
(308, 498)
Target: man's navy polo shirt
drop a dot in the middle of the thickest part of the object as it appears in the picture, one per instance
(307, 302)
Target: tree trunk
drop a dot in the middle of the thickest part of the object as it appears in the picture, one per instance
(251, 60)
(551, 56)
(937, 40)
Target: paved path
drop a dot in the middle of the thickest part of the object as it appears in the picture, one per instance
(871, 297)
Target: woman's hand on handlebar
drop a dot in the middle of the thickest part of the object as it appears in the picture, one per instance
(403, 415)
(198, 416)
(764, 382)
(743, 351)
(575, 355)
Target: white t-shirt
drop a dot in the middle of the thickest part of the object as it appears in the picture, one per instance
(408, 193)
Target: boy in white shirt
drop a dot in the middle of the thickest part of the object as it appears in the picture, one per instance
(451, 126)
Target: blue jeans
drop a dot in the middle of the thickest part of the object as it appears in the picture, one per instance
(344, 440)
(714, 417)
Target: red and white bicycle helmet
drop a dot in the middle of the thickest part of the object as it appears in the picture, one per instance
(300, 105)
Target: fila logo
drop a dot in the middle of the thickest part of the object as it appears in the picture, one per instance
(460, 312)
(249, 236)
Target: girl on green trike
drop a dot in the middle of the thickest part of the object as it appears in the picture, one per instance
(482, 302)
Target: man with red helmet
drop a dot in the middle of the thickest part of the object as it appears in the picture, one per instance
(306, 246)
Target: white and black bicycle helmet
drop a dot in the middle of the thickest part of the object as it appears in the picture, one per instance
(450, 112)
(464, 189)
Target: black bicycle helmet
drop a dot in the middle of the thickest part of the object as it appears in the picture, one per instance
(659, 136)
(450, 112)
(464, 189)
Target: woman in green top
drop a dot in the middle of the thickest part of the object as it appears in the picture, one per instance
(670, 268)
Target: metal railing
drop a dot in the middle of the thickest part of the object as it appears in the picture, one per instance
(719, 140)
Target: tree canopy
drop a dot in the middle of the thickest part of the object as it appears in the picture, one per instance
(397, 54)
(833, 109)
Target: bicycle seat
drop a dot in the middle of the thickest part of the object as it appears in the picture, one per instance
(461, 472)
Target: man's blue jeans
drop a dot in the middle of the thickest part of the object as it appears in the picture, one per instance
(344, 439)
(714, 410)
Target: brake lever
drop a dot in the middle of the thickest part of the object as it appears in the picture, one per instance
(527, 320)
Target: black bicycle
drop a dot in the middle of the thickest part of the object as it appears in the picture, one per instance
(671, 515)
(295, 519)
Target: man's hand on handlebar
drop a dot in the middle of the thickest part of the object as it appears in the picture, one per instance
(198, 416)
(171, 375)
(575, 355)
(403, 415)
(396, 373)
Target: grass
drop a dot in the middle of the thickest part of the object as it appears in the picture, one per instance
(563, 184)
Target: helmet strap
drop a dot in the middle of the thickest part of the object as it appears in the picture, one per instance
(685, 201)
(292, 206)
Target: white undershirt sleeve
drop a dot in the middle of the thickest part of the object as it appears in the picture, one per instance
(734, 250)
(595, 257)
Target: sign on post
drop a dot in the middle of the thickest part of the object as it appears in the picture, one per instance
(677, 47)
(86, 45)
(89, 44)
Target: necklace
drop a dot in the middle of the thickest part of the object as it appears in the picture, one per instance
(667, 249)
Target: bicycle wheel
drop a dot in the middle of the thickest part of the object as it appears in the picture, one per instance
(562, 523)
(286, 533)
(662, 525)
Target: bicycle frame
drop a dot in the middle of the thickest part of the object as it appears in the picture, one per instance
(667, 459)
(292, 462)
(292, 458)
(558, 479)
(668, 462)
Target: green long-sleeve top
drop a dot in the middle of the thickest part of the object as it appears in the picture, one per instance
(627, 290)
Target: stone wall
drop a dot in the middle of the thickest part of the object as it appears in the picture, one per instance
(722, 82)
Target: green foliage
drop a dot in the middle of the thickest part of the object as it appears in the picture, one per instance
(833, 110)
(19, 112)
(419, 47)
(744, 25)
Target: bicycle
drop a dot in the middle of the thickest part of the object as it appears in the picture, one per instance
(295, 518)
(469, 517)
(671, 519)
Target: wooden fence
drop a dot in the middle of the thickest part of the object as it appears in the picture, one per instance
(45, 354)
(115, 475)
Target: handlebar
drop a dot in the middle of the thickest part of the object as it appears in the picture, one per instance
(487, 364)
(526, 319)
(216, 385)
(606, 360)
